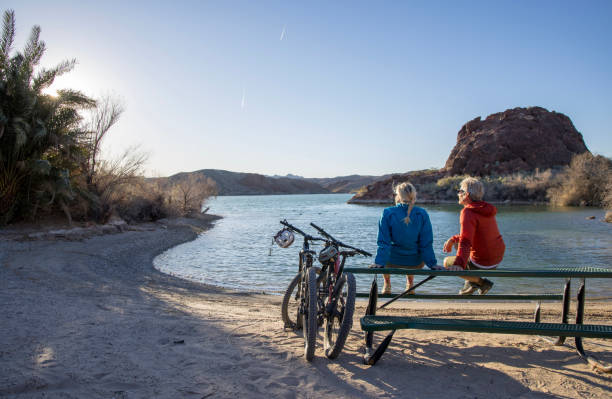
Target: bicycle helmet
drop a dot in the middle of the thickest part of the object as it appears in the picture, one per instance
(327, 254)
(284, 238)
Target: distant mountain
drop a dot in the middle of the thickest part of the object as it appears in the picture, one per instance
(345, 184)
(288, 175)
(237, 183)
(339, 184)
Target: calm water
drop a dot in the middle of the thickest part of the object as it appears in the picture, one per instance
(236, 252)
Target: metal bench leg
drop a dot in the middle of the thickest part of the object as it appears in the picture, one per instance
(566, 305)
(596, 364)
(372, 355)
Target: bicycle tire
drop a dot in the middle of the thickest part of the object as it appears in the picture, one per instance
(290, 306)
(341, 318)
(309, 317)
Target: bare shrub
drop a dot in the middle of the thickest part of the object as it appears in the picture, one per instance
(607, 201)
(584, 182)
(187, 194)
(520, 186)
(115, 181)
(143, 200)
(102, 118)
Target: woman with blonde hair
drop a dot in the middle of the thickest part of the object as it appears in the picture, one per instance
(405, 238)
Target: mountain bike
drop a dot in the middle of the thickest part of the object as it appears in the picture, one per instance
(334, 294)
(337, 292)
(299, 309)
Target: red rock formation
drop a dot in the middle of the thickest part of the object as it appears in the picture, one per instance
(519, 139)
(514, 140)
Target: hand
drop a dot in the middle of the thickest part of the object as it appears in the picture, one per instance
(375, 266)
(437, 267)
(454, 268)
(449, 244)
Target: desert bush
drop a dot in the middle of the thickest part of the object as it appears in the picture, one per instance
(187, 194)
(585, 182)
(607, 200)
(114, 182)
(522, 186)
(140, 200)
(143, 200)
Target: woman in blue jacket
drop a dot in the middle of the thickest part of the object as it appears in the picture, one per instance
(405, 237)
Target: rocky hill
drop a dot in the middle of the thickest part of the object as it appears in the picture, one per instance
(237, 183)
(514, 140)
(519, 139)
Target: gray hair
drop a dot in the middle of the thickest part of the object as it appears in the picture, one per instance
(474, 187)
(405, 193)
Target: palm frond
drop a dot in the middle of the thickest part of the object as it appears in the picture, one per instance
(20, 130)
(45, 77)
(69, 97)
(34, 49)
(8, 35)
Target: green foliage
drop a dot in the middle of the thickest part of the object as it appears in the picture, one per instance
(40, 135)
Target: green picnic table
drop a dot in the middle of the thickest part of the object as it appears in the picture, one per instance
(372, 322)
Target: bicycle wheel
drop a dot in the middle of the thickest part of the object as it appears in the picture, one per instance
(309, 317)
(339, 322)
(290, 306)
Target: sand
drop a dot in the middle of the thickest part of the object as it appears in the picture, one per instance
(92, 318)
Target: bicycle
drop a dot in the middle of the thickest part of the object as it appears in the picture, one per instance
(335, 294)
(303, 291)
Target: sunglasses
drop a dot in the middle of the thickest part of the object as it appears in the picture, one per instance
(460, 191)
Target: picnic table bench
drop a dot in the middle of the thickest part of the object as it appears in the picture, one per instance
(372, 322)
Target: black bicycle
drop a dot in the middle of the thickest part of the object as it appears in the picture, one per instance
(334, 293)
(299, 308)
(337, 292)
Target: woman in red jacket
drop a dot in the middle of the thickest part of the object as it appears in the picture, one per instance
(480, 246)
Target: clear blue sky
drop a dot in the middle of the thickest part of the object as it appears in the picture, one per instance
(321, 88)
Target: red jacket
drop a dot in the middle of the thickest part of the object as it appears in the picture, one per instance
(479, 238)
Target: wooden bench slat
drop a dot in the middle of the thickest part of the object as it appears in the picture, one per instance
(499, 297)
(382, 323)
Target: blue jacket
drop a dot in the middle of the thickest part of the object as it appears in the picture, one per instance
(405, 244)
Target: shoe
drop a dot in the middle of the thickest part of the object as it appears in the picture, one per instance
(485, 286)
(469, 288)
(386, 289)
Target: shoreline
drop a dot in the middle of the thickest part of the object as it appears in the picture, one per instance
(358, 201)
(93, 318)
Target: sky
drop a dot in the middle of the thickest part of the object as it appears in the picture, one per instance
(324, 89)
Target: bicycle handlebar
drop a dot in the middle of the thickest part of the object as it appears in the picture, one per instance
(338, 242)
(295, 229)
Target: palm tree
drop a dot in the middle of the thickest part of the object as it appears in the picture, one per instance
(41, 136)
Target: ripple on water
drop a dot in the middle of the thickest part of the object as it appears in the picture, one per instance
(235, 253)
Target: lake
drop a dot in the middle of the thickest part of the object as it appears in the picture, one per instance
(238, 252)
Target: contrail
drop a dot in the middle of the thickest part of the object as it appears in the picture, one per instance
(282, 36)
(243, 99)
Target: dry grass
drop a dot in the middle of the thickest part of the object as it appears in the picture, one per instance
(587, 181)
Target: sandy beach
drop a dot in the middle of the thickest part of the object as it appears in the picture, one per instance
(92, 318)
